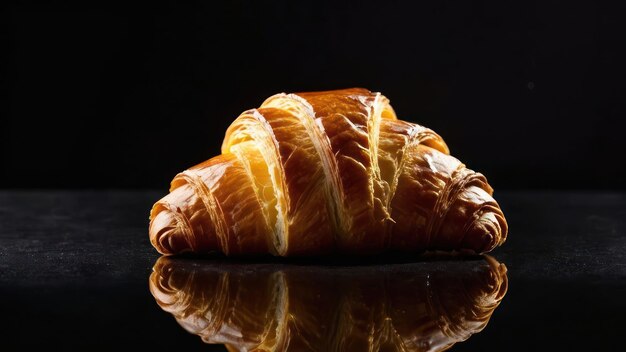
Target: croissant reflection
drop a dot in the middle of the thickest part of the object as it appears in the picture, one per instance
(271, 307)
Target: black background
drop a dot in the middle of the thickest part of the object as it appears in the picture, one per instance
(531, 94)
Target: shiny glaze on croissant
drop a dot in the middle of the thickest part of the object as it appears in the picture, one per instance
(327, 172)
(426, 306)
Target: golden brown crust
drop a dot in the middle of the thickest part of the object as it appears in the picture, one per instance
(256, 307)
(441, 205)
(319, 172)
(211, 207)
(397, 140)
(309, 225)
(350, 120)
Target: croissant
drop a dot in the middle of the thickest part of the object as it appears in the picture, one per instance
(320, 172)
(261, 307)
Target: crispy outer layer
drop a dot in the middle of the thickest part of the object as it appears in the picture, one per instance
(441, 205)
(345, 117)
(211, 207)
(312, 173)
(310, 227)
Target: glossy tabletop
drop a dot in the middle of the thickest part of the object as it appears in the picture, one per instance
(77, 272)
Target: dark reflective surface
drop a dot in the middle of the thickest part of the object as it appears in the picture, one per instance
(426, 306)
(74, 269)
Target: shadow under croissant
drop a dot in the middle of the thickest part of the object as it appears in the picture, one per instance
(426, 306)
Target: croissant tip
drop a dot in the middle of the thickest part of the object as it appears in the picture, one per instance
(166, 234)
(485, 233)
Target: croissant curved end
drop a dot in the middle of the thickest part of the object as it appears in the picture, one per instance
(165, 233)
(489, 229)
